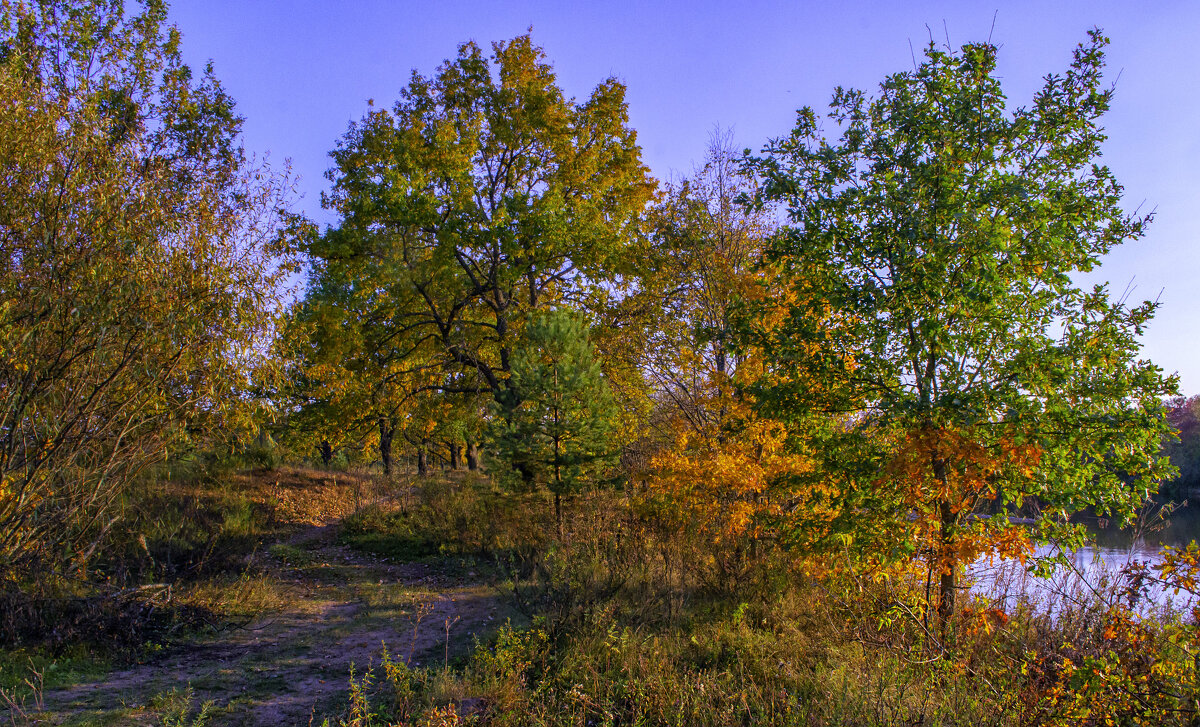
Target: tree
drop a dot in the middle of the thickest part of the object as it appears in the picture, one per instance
(137, 266)
(938, 232)
(355, 371)
(703, 260)
(1183, 448)
(716, 457)
(483, 197)
(555, 425)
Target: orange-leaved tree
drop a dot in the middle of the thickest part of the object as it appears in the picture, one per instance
(722, 466)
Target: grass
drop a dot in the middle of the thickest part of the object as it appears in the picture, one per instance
(27, 673)
(291, 555)
(634, 624)
(187, 556)
(464, 514)
(623, 620)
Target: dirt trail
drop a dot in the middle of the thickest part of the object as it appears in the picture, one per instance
(344, 606)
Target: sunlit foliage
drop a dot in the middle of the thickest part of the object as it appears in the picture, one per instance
(940, 232)
(137, 273)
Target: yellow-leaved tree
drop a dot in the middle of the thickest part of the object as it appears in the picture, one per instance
(137, 266)
(719, 466)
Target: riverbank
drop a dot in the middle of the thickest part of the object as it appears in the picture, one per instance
(631, 624)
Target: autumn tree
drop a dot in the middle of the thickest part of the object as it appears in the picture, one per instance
(137, 267)
(357, 372)
(1183, 447)
(704, 257)
(971, 376)
(716, 458)
(556, 425)
(484, 196)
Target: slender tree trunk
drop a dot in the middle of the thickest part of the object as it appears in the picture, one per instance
(557, 468)
(947, 585)
(472, 455)
(326, 452)
(454, 449)
(386, 432)
(558, 514)
(720, 364)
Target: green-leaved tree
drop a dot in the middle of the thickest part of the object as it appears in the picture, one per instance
(484, 195)
(940, 233)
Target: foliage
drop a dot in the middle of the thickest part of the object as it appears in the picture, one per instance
(969, 376)
(137, 274)
(666, 343)
(555, 421)
(910, 368)
(724, 469)
(482, 197)
(355, 377)
(705, 247)
(1183, 416)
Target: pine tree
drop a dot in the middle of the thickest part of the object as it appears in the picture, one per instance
(555, 423)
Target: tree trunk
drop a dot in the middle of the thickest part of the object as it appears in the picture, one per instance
(472, 456)
(454, 449)
(558, 514)
(386, 432)
(326, 452)
(422, 461)
(947, 586)
(557, 468)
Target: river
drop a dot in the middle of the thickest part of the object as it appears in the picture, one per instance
(1094, 571)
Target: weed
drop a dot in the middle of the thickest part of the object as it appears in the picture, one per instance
(175, 708)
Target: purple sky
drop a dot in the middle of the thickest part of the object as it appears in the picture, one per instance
(300, 70)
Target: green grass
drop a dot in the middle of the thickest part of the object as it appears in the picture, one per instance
(397, 544)
(291, 555)
(19, 668)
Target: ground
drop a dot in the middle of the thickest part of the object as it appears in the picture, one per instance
(291, 666)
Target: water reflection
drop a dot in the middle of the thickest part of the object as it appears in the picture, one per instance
(1096, 572)
(1157, 528)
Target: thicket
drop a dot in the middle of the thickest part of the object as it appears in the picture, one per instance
(137, 270)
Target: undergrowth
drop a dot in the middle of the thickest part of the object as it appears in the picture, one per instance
(633, 624)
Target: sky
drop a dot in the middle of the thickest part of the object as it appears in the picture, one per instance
(302, 70)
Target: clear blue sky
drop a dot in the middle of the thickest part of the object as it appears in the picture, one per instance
(300, 70)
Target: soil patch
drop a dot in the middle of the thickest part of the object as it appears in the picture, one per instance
(292, 666)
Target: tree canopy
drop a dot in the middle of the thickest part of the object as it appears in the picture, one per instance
(483, 196)
(939, 234)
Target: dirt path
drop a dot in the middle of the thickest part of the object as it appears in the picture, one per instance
(343, 607)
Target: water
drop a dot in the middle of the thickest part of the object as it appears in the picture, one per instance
(1097, 571)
